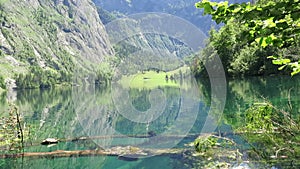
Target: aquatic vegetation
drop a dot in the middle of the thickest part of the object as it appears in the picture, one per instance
(12, 131)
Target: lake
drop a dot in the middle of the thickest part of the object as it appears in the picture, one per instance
(149, 118)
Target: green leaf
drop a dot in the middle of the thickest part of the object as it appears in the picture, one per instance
(221, 9)
(252, 32)
(268, 40)
(258, 40)
(234, 8)
(281, 67)
(263, 42)
(281, 61)
(286, 61)
(272, 57)
(207, 8)
(295, 71)
(199, 5)
(223, 4)
(259, 8)
(296, 68)
(277, 62)
(269, 23)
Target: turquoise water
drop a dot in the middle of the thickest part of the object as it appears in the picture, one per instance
(71, 113)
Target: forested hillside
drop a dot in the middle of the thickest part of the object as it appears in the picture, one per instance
(43, 42)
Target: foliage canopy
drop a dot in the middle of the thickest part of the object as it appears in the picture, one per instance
(268, 23)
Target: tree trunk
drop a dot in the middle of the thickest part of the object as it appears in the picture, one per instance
(124, 152)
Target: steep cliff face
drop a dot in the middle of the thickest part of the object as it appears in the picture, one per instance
(85, 33)
(55, 35)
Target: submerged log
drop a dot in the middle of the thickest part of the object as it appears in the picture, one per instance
(127, 153)
(57, 153)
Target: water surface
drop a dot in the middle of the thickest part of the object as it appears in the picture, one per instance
(72, 113)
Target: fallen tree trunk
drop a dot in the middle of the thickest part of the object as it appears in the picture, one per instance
(127, 152)
(58, 153)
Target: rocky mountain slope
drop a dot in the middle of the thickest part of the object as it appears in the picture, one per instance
(184, 9)
(50, 39)
(46, 42)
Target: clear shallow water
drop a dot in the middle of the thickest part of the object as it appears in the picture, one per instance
(97, 162)
(69, 113)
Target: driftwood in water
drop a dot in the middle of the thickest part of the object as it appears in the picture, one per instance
(128, 152)
(58, 153)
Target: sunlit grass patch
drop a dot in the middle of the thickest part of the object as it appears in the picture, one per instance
(153, 79)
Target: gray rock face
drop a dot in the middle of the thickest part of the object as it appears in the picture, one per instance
(51, 34)
(86, 34)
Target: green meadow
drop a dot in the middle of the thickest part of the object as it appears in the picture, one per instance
(153, 79)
